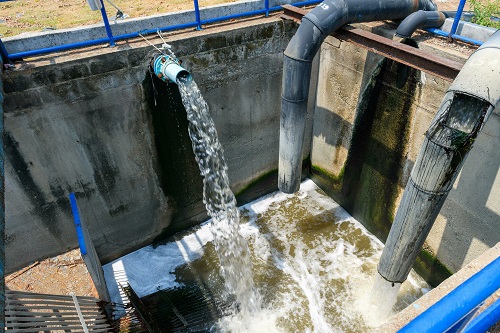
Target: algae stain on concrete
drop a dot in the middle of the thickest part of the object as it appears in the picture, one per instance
(369, 183)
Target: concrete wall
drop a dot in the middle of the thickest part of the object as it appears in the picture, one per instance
(87, 123)
(366, 140)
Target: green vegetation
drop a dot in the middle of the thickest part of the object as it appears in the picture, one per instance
(484, 10)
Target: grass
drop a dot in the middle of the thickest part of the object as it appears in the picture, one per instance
(36, 15)
(484, 10)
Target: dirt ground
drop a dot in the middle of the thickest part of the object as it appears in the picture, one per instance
(60, 275)
(21, 16)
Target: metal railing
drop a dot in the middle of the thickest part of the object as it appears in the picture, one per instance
(453, 31)
(454, 311)
(198, 23)
(111, 39)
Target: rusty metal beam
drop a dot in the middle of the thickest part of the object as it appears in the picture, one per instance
(405, 54)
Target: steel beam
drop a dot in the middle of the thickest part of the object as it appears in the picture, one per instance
(402, 53)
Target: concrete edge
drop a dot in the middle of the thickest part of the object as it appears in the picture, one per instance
(433, 296)
(39, 40)
(469, 30)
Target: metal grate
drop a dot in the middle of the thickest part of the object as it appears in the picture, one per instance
(30, 312)
(192, 308)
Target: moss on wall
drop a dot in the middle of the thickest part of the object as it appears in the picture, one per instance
(430, 268)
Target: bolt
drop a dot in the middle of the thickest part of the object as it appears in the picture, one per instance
(163, 59)
(160, 75)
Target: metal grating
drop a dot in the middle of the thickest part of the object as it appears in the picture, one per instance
(191, 308)
(30, 312)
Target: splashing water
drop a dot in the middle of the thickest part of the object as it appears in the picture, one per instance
(231, 247)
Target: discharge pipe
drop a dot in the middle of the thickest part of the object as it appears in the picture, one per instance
(419, 20)
(466, 106)
(316, 25)
(167, 67)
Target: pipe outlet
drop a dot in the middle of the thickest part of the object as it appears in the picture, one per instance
(167, 67)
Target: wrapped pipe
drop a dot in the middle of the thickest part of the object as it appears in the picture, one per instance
(465, 108)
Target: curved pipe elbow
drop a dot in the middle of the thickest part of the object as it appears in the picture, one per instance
(316, 26)
(419, 20)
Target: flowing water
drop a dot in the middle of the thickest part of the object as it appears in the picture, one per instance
(231, 247)
(286, 263)
(313, 266)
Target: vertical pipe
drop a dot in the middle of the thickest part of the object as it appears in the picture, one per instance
(106, 25)
(197, 14)
(2, 213)
(464, 110)
(457, 18)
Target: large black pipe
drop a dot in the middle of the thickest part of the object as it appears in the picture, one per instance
(465, 108)
(316, 25)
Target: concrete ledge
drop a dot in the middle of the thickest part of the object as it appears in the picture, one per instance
(469, 30)
(433, 296)
(38, 40)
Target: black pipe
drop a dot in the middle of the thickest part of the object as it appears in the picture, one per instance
(316, 25)
(419, 20)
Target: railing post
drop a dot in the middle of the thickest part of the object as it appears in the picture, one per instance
(457, 18)
(89, 254)
(4, 53)
(266, 6)
(197, 13)
(106, 24)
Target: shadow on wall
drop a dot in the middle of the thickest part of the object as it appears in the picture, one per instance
(369, 159)
(372, 175)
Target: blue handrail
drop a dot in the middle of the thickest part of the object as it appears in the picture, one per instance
(112, 39)
(461, 301)
(78, 224)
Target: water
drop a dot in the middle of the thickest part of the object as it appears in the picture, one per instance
(313, 266)
(231, 247)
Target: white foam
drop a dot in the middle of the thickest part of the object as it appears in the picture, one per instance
(321, 274)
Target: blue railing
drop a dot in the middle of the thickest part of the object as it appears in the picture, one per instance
(452, 313)
(453, 31)
(111, 39)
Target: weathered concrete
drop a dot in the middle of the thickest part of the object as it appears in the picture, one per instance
(363, 150)
(470, 30)
(87, 123)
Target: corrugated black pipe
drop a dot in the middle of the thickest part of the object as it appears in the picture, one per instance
(316, 25)
(465, 109)
(419, 20)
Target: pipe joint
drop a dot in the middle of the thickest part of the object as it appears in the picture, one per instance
(167, 67)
